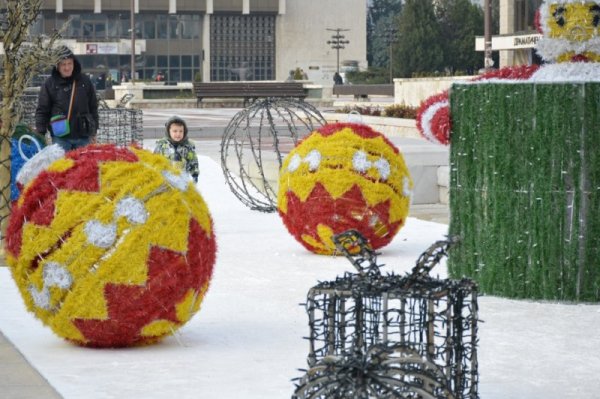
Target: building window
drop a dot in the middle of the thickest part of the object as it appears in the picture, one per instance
(149, 29)
(150, 61)
(242, 47)
(161, 26)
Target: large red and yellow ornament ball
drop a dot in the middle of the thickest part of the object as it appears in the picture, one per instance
(344, 176)
(110, 247)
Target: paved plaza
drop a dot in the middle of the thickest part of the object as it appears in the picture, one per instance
(18, 379)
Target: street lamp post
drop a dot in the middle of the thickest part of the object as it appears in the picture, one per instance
(132, 41)
(488, 62)
(338, 43)
(390, 34)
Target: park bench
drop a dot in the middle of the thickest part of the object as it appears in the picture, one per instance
(248, 91)
(363, 91)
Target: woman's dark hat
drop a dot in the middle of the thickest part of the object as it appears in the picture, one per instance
(64, 53)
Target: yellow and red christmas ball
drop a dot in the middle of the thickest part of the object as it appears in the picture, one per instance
(111, 247)
(344, 176)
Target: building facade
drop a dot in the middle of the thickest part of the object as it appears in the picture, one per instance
(518, 36)
(212, 40)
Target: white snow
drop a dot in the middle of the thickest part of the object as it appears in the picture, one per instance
(246, 341)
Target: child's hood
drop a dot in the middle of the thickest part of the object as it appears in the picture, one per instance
(178, 120)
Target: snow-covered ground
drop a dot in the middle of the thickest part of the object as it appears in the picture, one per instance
(246, 341)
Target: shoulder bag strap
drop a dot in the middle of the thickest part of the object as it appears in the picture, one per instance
(73, 88)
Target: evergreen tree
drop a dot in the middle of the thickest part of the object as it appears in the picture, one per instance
(461, 21)
(380, 44)
(419, 48)
(382, 15)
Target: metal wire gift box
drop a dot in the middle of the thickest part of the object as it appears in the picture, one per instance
(374, 335)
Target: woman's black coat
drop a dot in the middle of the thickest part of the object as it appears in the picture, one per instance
(54, 98)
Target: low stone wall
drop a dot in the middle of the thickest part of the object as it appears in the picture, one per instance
(413, 91)
(157, 92)
(159, 95)
(390, 127)
(406, 91)
(163, 104)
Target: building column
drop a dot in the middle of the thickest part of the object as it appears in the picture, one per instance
(281, 7)
(507, 26)
(172, 6)
(59, 6)
(206, 45)
(246, 7)
(97, 6)
(210, 7)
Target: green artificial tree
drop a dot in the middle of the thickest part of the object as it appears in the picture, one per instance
(525, 189)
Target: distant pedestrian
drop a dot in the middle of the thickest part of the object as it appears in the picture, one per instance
(337, 79)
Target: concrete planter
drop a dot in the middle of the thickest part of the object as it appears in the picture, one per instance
(390, 127)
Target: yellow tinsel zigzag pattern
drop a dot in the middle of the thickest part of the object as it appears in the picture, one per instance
(169, 211)
(337, 174)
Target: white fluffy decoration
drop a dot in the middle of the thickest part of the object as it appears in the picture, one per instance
(361, 164)
(313, 159)
(39, 162)
(406, 191)
(295, 163)
(567, 72)
(495, 80)
(56, 275)
(551, 48)
(428, 115)
(180, 182)
(41, 298)
(133, 209)
(100, 234)
(383, 166)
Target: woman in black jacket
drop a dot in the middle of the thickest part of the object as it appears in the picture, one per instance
(55, 97)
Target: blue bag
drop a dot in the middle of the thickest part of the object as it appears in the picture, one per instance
(59, 125)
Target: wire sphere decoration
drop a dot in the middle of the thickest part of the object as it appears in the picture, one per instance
(255, 142)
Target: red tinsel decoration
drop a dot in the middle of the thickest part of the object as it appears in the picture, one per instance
(344, 213)
(437, 127)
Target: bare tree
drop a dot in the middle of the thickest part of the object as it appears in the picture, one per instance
(24, 57)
